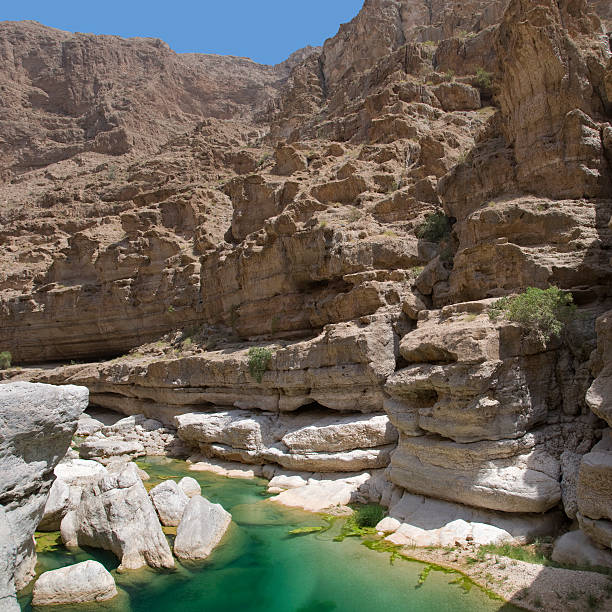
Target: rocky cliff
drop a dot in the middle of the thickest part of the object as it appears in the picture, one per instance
(354, 222)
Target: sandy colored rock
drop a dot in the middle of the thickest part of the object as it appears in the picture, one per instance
(83, 582)
(595, 481)
(509, 475)
(201, 529)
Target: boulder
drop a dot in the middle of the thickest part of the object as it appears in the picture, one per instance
(289, 160)
(170, 502)
(576, 548)
(323, 493)
(116, 514)
(201, 529)
(66, 490)
(88, 425)
(37, 422)
(105, 449)
(189, 486)
(84, 582)
(454, 96)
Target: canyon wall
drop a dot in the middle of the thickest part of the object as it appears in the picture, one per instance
(356, 216)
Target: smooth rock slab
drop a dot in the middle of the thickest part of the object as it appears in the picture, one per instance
(170, 502)
(201, 529)
(84, 582)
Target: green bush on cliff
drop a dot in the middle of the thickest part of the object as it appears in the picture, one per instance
(544, 312)
(5, 360)
(259, 359)
(435, 228)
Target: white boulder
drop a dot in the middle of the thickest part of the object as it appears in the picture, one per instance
(84, 582)
(201, 529)
(170, 502)
(190, 486)
(116, 514)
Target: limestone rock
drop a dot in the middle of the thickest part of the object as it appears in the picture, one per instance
(56, 507)
(83, 582)
(599, 395)
(104, 449)
(8, 558)
(570, 467)
(305, 441)
(201, 529)
(65, 494)
(456, 96)
(88, 425)
(116, 514)
(324, 493)
(289, 160)
(37, 423)
(575, 548)
(509, 475)
(424, 520)
(599, 531)
(170, 501)
(189, 486)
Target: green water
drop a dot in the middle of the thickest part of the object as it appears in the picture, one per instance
(259, 567)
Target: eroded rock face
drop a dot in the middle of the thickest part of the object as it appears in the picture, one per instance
(594, 492)
(547, 88)
(115, 513)
(305, 441)
(202, 527)
(84, 582)
(37, 423)
(480, 415)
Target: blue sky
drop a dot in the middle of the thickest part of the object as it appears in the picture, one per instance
(267, 31)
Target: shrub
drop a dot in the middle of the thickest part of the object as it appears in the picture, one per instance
(544, 312)
(368, 516)
(5, 360)
(259, 358)
(435, 227)
(483, 78)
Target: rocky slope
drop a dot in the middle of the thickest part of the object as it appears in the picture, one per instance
(357, 220)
